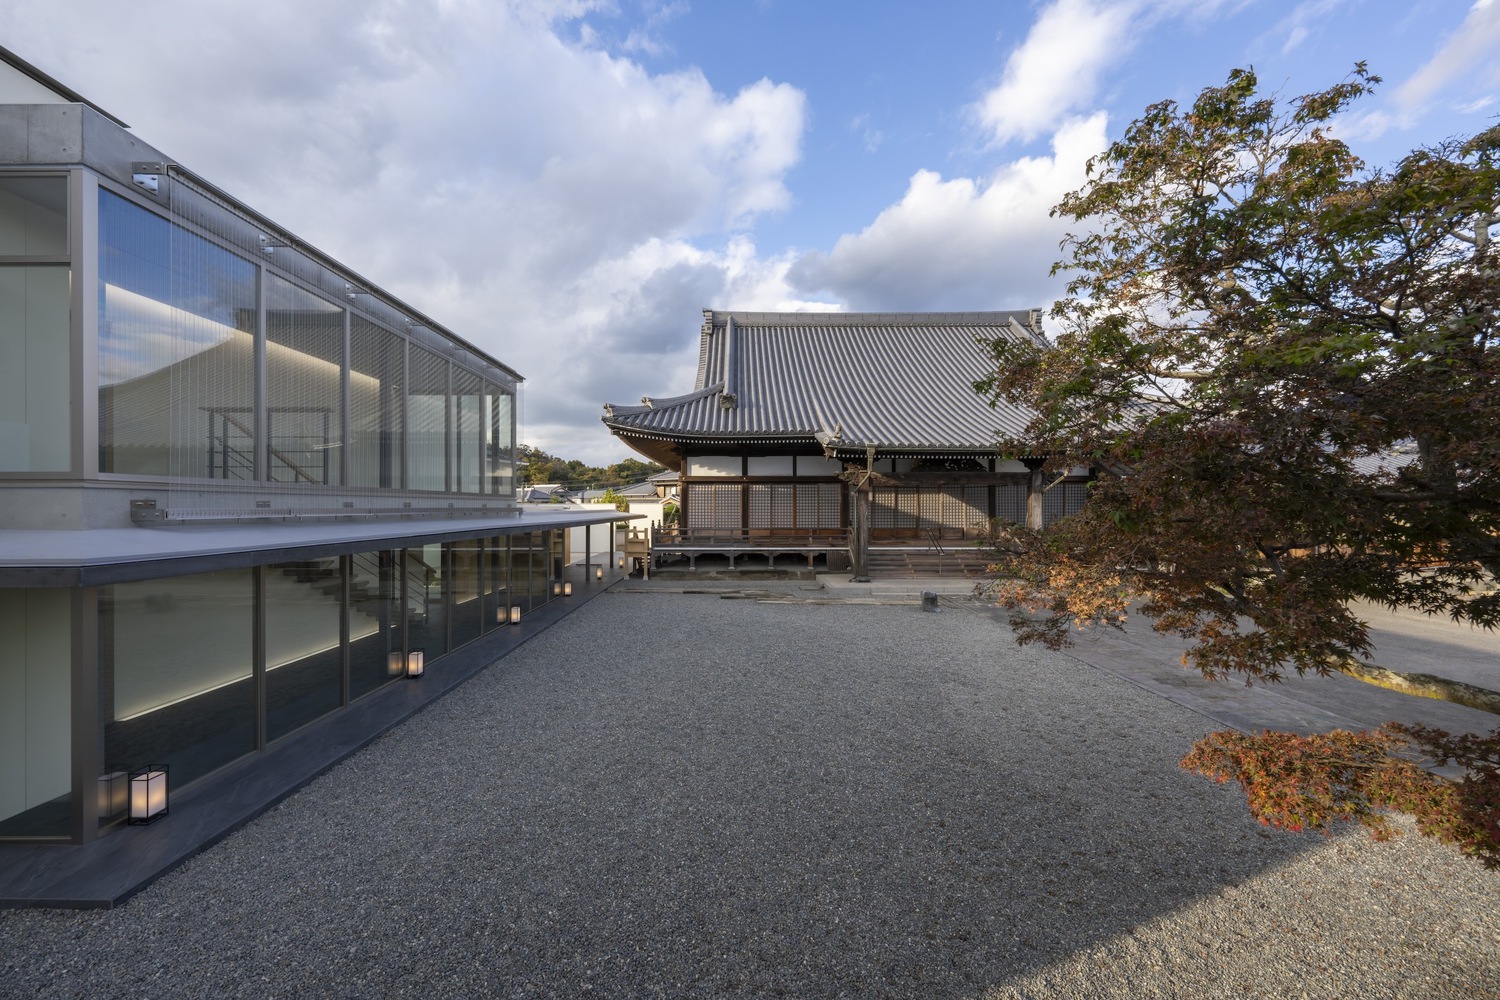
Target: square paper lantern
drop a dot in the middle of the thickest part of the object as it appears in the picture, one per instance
(415, 663)
(148, 794)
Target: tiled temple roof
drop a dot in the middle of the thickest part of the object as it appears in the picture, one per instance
(894, 381)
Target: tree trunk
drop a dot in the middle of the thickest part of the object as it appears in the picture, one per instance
(1420, 685)
(1034, 494)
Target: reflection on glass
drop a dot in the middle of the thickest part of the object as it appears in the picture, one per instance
(499, 442)
(33, 216)
(304, 659)
(176, 350)
(426, 407)
(426, 612)
(36, 387)
(464, 585)
(467, 423)
(304, 385)
(496, 582)
(520, 570)
(374, 620)
(175, 682)
(542, 554)
(36, 687)
(376, 360)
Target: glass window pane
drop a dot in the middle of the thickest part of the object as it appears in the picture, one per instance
(463, 579)
(36, 387)
(521, 590)
(427, 404)
(499, 444)
(175, 682)
(496, 581)
(36, 685)
(426, 613)
(374, 621)
(377, 357)
(540, 554)
(176, 350)
(33, 216)
(304, 658)
(467, 424)
(304, 385)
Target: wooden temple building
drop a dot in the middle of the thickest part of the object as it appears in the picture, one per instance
(836, 438)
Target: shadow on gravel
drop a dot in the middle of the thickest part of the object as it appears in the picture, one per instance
(677, 795)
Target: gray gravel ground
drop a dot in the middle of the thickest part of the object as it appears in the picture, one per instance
(677, 795)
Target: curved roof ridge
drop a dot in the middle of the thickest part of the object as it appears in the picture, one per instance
(716, 318)
(652, 404)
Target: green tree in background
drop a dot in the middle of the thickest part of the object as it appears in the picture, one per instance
(539, 467)
(1285, 368)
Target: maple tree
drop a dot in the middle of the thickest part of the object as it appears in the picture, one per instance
(1284, 368)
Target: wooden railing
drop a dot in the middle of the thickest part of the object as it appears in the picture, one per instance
(676, 536)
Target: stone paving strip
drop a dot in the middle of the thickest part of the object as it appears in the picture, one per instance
(675, 795)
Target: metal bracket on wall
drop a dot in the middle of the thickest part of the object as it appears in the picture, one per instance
(146, 512)
(150, 178)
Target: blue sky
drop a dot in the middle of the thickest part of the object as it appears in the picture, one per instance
(568, 182)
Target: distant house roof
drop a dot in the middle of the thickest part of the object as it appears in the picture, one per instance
(848, 381)
(643, 489)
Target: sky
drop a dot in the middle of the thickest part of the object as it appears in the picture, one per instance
(568, 183)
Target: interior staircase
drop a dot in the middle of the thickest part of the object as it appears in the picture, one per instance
(914, 564)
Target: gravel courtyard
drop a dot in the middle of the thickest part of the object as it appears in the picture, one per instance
(679, 795)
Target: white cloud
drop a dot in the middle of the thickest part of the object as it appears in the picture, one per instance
(544, 199)
(961, 243)
(1468, 52)
(1303, 22)
(1056, 70)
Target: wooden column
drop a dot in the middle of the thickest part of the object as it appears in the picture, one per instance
(859, 533)
(1034, 494)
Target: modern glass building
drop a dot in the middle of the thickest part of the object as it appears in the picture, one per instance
(240, 485)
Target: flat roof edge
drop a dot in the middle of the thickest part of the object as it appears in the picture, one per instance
(53, 84)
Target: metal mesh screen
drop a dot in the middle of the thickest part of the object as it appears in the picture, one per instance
(466, 437)
(176, 350)
(304, 385)
(426, 409)
(377, 360)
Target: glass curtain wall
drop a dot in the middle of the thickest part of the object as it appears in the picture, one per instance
(426, 408)
(496, 602)
(426, 607)
(36, 685)
(465, 560)
(35, 328)
(177, 317)
(466, 435)
(177, 371)
(375, 620)
(377, 360)
(304, 386)
(499, 446)
(176, 672)
(304, 653)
